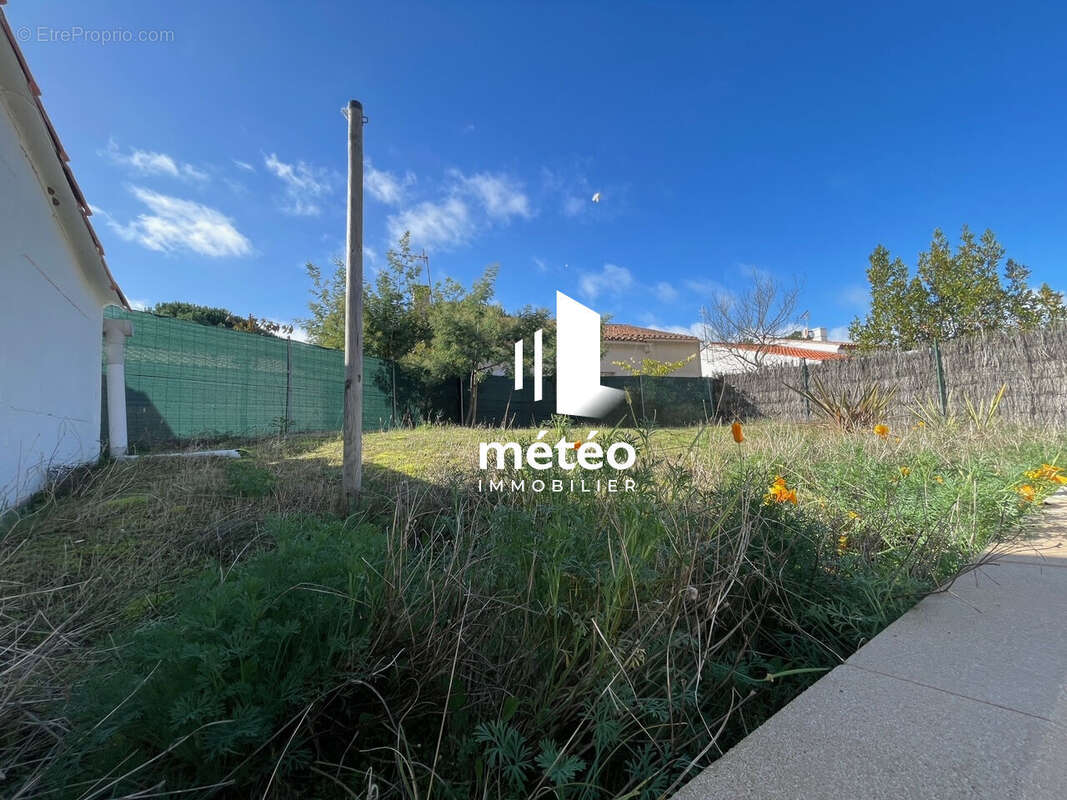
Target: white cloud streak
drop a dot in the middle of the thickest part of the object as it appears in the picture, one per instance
(386, 187)
(612, 279)
(305, 185)
(149, 162)
(174, 225)
(665, 292)
(471, 204)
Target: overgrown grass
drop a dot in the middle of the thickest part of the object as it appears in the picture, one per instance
(202, 625)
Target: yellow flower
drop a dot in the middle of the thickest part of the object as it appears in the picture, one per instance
(938, 479)
(921, 424)
(1027, 492)
(842, 544)
(905, 471)
(853, 515)
(1033, 474)
(881, 430)
(735, 429)
(1060, 479)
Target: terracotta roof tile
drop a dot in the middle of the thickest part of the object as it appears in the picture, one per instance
(632, 333)
(783, 350)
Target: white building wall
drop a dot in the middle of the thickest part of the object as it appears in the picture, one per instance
(719, 361)
(50, 335)
(636, 352)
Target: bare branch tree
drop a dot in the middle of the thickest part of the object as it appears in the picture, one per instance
(746, 324)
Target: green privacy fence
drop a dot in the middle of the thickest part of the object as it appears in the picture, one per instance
(187, 381)
(663, 401)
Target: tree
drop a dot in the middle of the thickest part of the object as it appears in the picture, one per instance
(394, 321)
(758, 316)
(471, 335)
(220, 318)
(951, 294)
(326, 325)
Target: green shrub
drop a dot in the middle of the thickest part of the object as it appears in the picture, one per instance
(215, 684)
(248, 479)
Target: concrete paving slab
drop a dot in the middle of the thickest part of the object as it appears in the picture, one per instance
(1044, 542)
(998, 635)
(965, 696)
(857, 734)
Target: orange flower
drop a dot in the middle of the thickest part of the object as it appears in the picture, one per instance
(1027, 492)
(1046, 472)
(1060, 479)
(779, 493)
(735, 429)
(881, 430)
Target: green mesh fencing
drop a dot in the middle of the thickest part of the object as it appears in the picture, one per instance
(662, 401)
(190, 381)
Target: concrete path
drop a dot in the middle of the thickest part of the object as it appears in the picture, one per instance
(965, 696)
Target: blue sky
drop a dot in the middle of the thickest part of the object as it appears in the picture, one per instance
(722, 137)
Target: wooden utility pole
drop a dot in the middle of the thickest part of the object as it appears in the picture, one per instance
(352, 466)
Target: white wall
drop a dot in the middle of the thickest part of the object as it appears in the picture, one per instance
(50, 334)
(635, 352)
(719, 361)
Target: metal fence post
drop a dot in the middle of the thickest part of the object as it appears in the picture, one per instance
(939, 368)
(807, 402)
(288, 386)
(641, 388)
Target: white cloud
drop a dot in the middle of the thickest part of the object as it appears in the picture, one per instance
(692, 329)
(304, 185)
(299, 334)
(140, 305)
(385, 187)
(443, 224)
(540, 264)
(839, 333)
(174, 224)
(243, 165)
(611, 279)
(500, 195)
(665, 292)
(470, 204)
(148, 162)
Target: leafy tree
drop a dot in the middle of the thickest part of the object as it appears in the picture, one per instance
(395, 316)
(951, 294)
(326, 325)
(472, 335)
(220, 318)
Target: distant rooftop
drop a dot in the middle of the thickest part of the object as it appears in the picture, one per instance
(783, 350)
(632, 333)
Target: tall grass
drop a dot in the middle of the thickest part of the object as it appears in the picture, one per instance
(456, 643)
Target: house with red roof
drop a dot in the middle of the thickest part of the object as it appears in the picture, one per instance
(625, 348)
(810, 346)
(56, 284)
